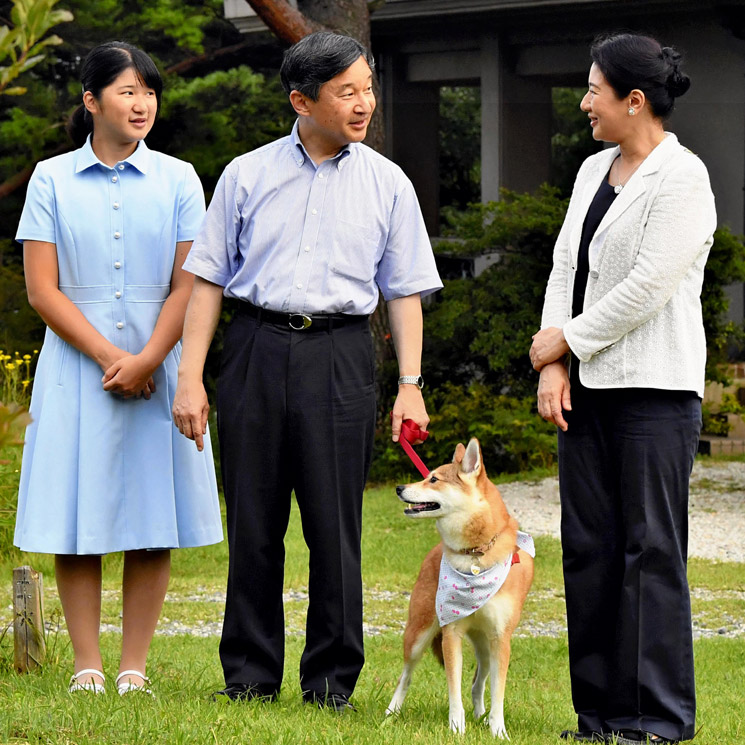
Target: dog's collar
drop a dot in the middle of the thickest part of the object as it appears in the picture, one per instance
(479, 549)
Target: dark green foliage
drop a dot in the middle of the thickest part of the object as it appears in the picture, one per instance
(572, 139)
(477, 334)
(726, 265)
(213, 109)
(482, 327)
(210, 120)
(460, 146)
(22, 330)
(513, 437)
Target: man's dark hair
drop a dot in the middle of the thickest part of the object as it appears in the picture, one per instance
(317, 58)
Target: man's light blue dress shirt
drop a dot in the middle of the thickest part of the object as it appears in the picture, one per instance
(288, 235)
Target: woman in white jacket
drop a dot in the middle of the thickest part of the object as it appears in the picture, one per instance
(621, 354)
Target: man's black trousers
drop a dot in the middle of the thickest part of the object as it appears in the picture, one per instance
(624, 468)
(296, 412)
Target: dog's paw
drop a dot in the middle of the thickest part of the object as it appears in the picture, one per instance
(458, 722)
(499, 730)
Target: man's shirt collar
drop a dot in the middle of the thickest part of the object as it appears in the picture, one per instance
(300, 154)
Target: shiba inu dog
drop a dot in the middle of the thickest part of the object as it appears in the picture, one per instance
(473, 584)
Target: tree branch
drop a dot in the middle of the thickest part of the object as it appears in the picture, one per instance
(21, 178)
(287, 23)
(187, 64)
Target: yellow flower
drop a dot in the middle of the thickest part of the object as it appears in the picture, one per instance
(26, 356)
(10, 366)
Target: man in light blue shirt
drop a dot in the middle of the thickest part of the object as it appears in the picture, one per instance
(303, 234)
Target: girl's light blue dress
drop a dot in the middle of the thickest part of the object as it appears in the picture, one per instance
(101, 473)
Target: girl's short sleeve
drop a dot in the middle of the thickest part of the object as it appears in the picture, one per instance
(38, 216)
(191, 207)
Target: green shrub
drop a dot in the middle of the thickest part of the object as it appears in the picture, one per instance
(713, 422)
(725, 266)
(513, 437)
(481, 328)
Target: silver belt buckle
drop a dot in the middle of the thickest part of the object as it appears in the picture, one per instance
(304, 321)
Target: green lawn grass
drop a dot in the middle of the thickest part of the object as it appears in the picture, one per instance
(36, 708)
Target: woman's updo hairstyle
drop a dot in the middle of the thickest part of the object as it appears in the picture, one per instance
(630, 61)
(101, 68)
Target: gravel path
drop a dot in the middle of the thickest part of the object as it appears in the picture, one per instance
(716, 509)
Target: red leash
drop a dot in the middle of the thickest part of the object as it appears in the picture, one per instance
(410, 432)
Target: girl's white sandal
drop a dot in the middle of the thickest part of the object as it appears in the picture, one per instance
(127, 686)
(91, 685)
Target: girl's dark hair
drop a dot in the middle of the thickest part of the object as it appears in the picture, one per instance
(102, 66)
(317, 58)
(630, 61)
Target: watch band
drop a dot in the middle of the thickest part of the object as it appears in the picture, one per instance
(411, 380)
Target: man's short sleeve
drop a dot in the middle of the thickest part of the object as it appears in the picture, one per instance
(191, 206)
(37, 219)
(408, 265)
(214, 255)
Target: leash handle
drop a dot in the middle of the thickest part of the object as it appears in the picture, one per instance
(409, 433)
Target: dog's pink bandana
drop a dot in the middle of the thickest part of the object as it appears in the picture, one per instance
(459, 595)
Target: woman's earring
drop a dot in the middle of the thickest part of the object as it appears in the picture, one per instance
(631, 111)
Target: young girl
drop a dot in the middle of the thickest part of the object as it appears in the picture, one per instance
(105, 230)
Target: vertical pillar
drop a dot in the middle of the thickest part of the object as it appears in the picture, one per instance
(526, 131)
(412, 135)
(491, 118)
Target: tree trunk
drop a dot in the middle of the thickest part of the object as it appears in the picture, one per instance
(288, 24)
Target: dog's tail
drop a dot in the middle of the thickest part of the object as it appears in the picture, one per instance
(437, 648)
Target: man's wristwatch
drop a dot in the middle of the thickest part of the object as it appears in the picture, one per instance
(417, 380)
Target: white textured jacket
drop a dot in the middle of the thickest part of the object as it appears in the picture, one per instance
(641, 324)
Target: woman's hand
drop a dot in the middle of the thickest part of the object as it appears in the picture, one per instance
(553, 394)
(129, 376)
(549, 345)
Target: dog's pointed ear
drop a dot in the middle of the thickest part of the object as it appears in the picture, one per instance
(471, 460)
(460, 451)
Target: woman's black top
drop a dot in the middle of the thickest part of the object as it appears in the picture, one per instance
(600, 204)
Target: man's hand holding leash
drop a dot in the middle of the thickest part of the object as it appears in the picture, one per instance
(409, 405)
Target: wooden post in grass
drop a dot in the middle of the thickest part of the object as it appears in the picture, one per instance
(28, 625)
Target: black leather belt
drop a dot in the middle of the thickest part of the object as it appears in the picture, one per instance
(298, 321)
